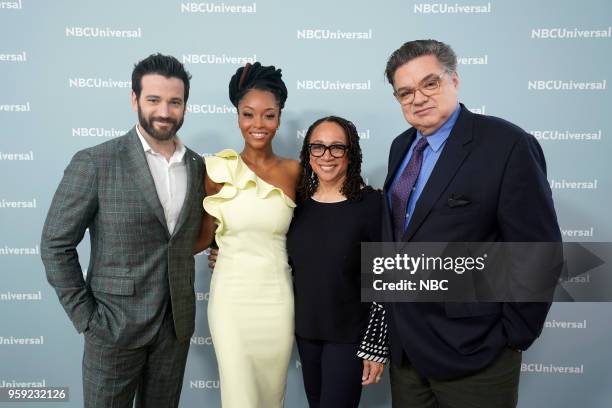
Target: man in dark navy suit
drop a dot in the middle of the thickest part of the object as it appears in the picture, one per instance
(455, 176)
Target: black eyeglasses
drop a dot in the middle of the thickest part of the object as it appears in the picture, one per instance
(336, 150)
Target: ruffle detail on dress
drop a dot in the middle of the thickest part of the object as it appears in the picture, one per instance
(227, 167)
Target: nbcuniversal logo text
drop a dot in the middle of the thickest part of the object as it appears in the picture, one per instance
(102, 32)
(21, 296)
(11, 5)
(218, 8)
(27, 156)
(97, 83)
(567, 135)
(446, 8)
(481, 60)
(6, 250)
(568, 33)
(571, 85)
(23, 384)
(97, 132)
(201, 341)
(18, 57)
(204, 384)
(217, 59)
(4, 203)
(585, 232)
(24, 107)
(564, 184)
(22, 341)
(481, 110)
(211, 109)
(203, 296)
(327, 34)
(326, 85)
(556, 324)
(541, 368)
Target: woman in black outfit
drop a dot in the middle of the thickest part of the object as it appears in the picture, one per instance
(342, 342)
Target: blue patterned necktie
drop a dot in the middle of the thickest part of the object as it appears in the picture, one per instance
(403, 187)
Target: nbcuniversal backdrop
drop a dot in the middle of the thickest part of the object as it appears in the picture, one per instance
(65, 68)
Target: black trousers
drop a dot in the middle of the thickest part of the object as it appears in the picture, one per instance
(495, 386)
(113, 376)
(332, 373)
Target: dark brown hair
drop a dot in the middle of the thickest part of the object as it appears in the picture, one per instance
(418, 48)
(165, 65)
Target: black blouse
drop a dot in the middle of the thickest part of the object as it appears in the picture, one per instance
(324, 245)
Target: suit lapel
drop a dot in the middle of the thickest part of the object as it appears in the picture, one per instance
(137, 166)
(455, 151)
(192, 187)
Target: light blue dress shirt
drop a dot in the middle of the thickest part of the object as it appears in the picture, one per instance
(432, 152)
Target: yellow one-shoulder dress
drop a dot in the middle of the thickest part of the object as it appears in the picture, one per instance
(250, 309)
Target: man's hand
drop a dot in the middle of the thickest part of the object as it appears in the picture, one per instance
(372, 372)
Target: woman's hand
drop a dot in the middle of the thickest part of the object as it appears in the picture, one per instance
(372, 372)
(212, 258)
(208, 226)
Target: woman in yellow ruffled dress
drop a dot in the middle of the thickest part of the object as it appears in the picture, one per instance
(249, 206)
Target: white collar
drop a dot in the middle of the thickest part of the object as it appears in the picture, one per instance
(179, 151)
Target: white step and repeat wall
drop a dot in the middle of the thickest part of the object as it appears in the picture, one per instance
(65, 68)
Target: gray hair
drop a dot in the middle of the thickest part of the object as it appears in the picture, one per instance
(414, 49)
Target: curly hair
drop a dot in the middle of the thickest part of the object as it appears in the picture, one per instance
(353, 186)
(257, 76)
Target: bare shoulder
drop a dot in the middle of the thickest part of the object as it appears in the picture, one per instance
(291, 165)
(292, 168)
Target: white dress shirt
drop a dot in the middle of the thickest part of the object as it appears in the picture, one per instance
(170, 177)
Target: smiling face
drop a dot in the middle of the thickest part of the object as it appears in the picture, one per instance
(329, 169)
(161, 106)
(258, 117)
(427, 113)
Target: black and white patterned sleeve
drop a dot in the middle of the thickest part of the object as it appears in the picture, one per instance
(374, 345)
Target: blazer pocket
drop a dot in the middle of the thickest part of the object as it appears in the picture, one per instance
(468, 209)
(112, 271)
(460, 309)
(458, 200)
(113, 286)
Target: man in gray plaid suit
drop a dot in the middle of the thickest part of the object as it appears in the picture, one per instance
(140, 195)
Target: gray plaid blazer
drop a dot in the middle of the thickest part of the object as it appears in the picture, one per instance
(136, 269)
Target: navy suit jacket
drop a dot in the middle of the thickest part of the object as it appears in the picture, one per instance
(501, 169)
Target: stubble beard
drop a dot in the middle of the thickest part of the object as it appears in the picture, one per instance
(162, 136)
